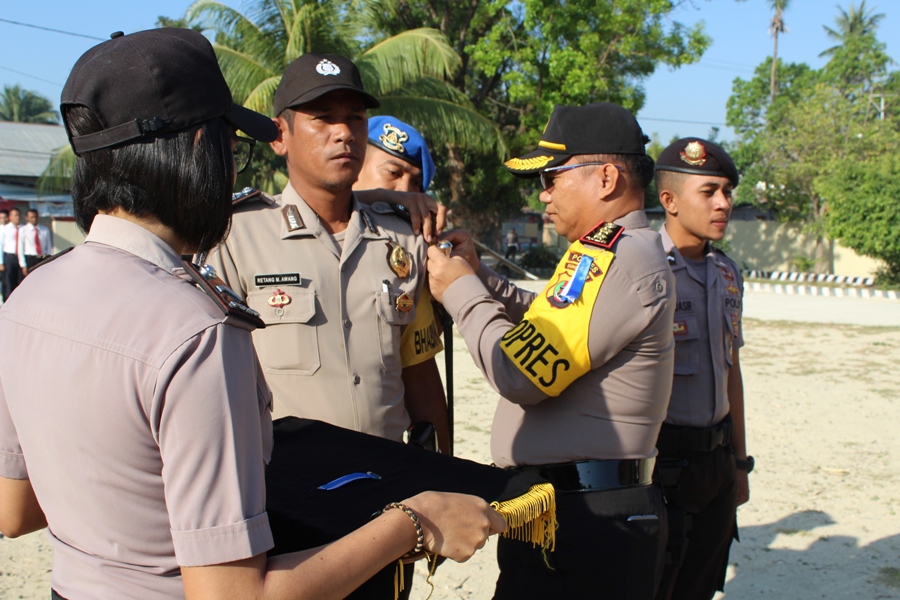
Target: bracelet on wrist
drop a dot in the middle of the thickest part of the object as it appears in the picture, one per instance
(420, 534)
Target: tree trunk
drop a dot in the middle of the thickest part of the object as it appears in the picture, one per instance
(774, 68)
(457, 170)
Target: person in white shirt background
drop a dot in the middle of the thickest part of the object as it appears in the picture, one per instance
(9, 243)
(34, 242)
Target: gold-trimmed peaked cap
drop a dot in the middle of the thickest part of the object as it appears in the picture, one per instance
(696, 156)
(598, 128)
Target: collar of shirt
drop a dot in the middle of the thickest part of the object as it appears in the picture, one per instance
(636, 219)
(134, 239)
(356, 226)
(678, 261)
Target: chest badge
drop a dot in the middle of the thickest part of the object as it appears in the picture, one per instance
(279, 299)
(398, 260)
(404, 302)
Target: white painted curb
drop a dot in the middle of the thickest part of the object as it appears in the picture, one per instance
(814, 290)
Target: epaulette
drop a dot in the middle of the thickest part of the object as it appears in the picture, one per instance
(47, 258)
(386, 208)
(231, 305)
(604, 235)
(248, 195)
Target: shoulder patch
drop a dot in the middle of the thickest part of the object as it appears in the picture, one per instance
(46, 258)
(249, 196)
(228, 302)
(386, 208)
(382, 208)
(604, 235)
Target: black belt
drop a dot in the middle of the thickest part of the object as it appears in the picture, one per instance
(684, 441)
(596, 475)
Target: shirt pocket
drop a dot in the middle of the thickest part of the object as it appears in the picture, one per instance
(289, 343)
(687, 344)
(389, 325)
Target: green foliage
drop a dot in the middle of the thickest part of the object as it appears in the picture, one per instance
(520, 58)
(862, 204)
(820, 123)
(23, 106)
(539, 257)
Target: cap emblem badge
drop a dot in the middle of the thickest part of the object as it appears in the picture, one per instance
(694, 154)
(393, 138)
(326, 67)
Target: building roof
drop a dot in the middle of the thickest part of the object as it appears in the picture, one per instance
(26, 148)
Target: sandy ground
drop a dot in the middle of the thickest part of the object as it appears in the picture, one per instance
(823, 407)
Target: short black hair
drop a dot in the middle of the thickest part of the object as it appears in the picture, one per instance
(32, 210)
(4, 212)
(670, 180)
(185, 179)
(14, 208)
(638, 165)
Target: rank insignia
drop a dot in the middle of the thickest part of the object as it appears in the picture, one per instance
(398, 260)
(694, 154)
(292, 217)
(369, 223)
(732, 289)
(279, 299)
(404, 302)
(680, 328)
(603, 235)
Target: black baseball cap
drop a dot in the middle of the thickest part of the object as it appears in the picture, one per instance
(696, 156)
(598, 128)
(153, 83)
(314, 75)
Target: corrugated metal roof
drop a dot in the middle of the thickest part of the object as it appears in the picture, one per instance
(25, 149)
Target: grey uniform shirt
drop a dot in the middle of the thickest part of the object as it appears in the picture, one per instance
(616, 409)
(707, 328)
(139, 416)
(333, 353)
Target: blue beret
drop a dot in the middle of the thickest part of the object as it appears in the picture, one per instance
(403, 141)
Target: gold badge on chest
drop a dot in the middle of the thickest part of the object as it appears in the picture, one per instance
(405, 302)
(398, 260)
(279, 299)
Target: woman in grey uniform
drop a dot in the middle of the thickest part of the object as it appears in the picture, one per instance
(134, 422)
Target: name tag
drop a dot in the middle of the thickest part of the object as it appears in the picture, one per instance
(277, 279)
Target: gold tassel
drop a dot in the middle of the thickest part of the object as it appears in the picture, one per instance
(531, 517)
(399, 579)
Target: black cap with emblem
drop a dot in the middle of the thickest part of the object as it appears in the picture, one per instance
(599, 128)
(314, 75)
(696, 156)
(153, 83)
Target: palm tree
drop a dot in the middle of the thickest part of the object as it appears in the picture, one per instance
(776, 28)
(23, 106)
(409, 73)
(855, 22)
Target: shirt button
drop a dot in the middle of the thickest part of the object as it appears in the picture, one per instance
(356, 379)
(347, 323)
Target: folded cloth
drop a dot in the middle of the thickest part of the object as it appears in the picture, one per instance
(308, 454)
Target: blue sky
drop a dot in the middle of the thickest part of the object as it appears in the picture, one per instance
(686, 101)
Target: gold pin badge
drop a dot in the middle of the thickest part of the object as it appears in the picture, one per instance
(404, 302)
(398, 260)
(279, 299)
(694, 154)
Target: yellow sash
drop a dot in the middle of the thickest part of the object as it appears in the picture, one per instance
(550, 345)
